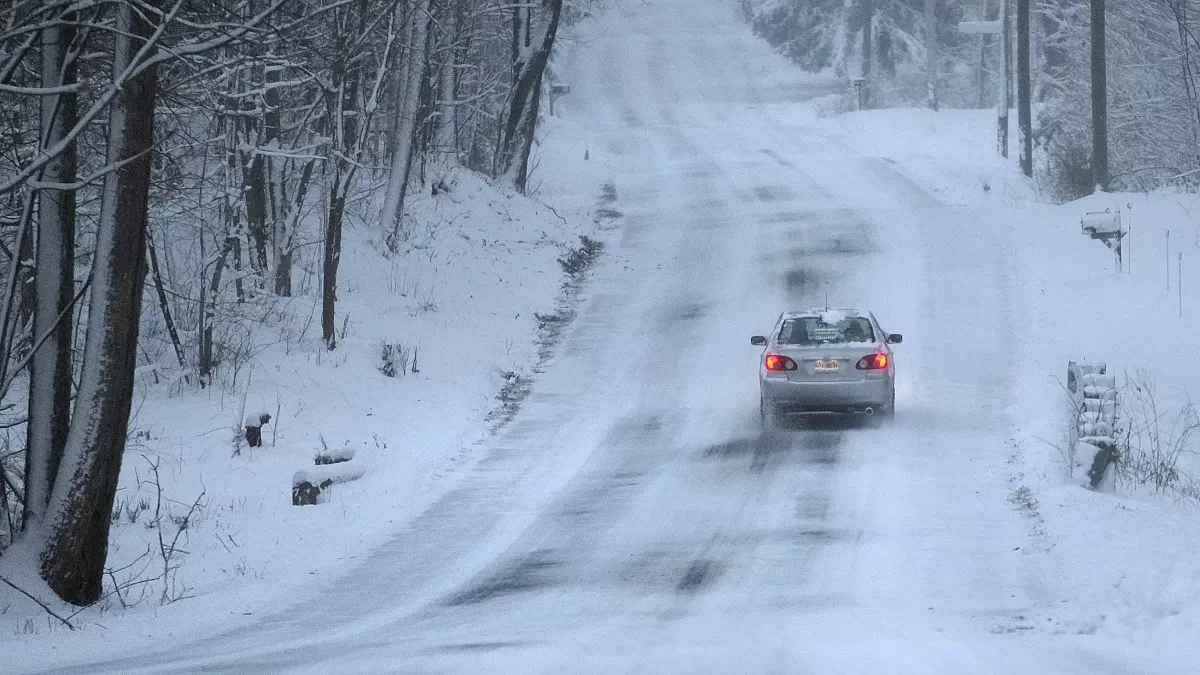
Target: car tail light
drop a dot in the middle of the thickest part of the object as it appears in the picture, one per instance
(778, 362)
(877, 361)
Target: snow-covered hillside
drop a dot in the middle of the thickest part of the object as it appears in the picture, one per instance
(468, 299)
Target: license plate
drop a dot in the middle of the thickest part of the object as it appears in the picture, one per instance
(826, 366)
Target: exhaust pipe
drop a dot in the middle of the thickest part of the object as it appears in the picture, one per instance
(869, 411)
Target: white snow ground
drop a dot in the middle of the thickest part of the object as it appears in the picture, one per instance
(632, 517)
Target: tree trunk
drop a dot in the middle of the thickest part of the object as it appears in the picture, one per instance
(346, 81)
(77, 522)
(283, 265)
(163, 304)
(333, 256)
(256, 211)
(26, 282)
(868, 22)
(1099, 100)
(230, 200)
(286, 233)
(254, 164)
(521, 122)
(406, 127)
(50, 368)
(931, 54)
(281, 238)
(1024, 107)
(1187, 70)
(239, 290)
(446, 136)
(208, 312)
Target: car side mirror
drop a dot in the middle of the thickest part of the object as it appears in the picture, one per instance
(758, 341)
(895, 338)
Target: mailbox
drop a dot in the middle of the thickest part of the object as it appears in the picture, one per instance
(1102, 224)
(1105, 226)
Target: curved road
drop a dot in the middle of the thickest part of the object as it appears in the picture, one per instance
(632, 516)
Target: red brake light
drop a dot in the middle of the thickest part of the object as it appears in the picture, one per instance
(877, 361)
(778, 362)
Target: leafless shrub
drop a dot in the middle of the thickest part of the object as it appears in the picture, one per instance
(170, 554)
(1156, 440)
(12, 472)
(397, 359)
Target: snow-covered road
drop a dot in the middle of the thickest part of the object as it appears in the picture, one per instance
(633, 516)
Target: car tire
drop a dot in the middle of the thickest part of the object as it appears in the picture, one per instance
(768, 415)
(888, 414)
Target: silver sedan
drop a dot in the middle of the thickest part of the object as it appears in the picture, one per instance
(827, 361)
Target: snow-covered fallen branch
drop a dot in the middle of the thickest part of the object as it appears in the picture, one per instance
(41, 604)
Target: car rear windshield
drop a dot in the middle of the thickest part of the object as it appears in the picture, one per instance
(813, 330)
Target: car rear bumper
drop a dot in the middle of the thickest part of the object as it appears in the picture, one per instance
(847, 397)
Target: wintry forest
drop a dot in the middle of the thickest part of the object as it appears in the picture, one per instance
(172, 170)
(1152, 107)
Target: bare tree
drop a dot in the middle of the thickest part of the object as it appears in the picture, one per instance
(50, 365)
(351, 101)
(446, 135)
(533, 42)
(77, 521)
(410, 77)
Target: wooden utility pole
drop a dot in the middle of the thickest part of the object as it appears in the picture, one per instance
(999, 28)
(1024, 108)
(981, 66)
(1099, 100)
(864, 98)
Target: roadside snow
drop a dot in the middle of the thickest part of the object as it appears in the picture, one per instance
(1127, 559)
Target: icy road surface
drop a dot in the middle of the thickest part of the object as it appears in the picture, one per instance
(633, 516)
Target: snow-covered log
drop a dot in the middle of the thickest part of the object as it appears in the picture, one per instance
(333, 456)
(309, 484)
